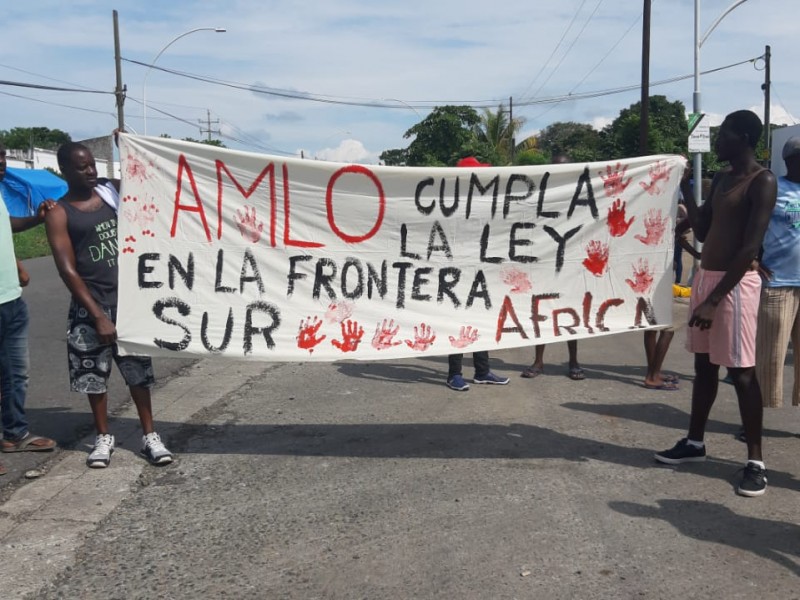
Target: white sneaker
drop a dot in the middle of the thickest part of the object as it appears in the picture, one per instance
(153, 449)
(102, 451)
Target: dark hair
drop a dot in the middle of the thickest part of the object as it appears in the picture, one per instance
(64, 154)
(747, 124)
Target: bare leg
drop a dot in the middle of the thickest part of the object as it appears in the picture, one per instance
(704, 392)
(750, 408)
(572, 349)
(656, 346)
(99, 404)
(538, 361)
(141, 397)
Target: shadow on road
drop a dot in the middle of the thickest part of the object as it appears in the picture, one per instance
(710, 522)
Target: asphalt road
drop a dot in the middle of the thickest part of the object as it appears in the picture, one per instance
(53, 410)
(373, 480)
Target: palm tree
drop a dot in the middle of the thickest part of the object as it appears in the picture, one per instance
(497, 130)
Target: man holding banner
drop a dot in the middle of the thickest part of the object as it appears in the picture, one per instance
(725, 293)
(82, 232)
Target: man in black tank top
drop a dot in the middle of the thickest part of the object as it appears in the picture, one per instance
(726, 292)
(82, 232)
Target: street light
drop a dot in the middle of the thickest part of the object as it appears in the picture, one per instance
(698, 43)
(697, 163)
(404, 103)
(150, 68)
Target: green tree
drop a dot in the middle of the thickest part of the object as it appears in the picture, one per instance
(579, 141)
(498, 131)
(394, 158)
(217, 143)
(443, 137)
(531, 157)
(668, 130)
(39, 137)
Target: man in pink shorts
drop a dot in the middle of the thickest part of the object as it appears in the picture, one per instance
(725, 293)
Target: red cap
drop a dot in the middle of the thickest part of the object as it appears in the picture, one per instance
(471, 162)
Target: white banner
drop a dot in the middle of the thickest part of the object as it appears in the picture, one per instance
(253, 256)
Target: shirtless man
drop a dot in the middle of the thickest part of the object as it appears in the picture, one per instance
(726, 291)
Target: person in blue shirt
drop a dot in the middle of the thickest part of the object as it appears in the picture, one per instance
(779, 310)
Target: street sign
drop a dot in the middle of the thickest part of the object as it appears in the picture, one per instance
(699, 133)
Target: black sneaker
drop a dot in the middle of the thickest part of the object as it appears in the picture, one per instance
(754, 481)
(681, 452)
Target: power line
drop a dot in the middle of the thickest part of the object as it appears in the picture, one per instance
(51, 88)
(425, 104)
(564, 56)
(555, 49)
(102, 112)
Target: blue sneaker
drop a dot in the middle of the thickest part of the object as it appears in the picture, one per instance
(490, 378)
(457, 383)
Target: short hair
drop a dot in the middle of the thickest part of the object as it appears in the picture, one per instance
(64, 154)
(746, 123)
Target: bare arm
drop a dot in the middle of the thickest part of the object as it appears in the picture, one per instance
(24, 223)
(762, 195)
(699, 216)
(64, 257)
(22, 273)
(680, 237)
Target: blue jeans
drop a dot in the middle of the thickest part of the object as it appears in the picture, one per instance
(14, 365)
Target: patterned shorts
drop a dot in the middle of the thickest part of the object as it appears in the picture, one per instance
(90, 362)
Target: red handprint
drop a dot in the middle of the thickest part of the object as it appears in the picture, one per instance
(466, 336)
(249, 226)
(654, 226)
(596, 259)
(351, 336)
(384, 335)
(143, 216)
(424, 337)
(339, 311)
(642, 277)
(136, 169)
(617, 225)
(658, 172)
(614, 180)
(518, 280)
(307, 337)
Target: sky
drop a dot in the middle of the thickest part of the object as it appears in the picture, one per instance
(347, 78)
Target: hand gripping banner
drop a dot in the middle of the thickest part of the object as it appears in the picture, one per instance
(253, 256)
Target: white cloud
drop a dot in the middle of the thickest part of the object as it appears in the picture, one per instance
(777, 114)
(348, 151)
(600, 122)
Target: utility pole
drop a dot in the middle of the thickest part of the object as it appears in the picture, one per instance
(511, 127)
(644, 118)
(208, 122)
(119, 90)
(765, 86)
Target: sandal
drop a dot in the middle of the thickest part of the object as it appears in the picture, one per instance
(531, 372)
(2, 469)
(29, 443)
(576, 374)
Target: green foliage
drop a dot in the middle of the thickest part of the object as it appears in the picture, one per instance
(446, 135)
(668, 130)
(31, 243)
(217, 143)
(394, 158)
(498, 131)
(531, 157)
(40, 137)
(579, 141)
